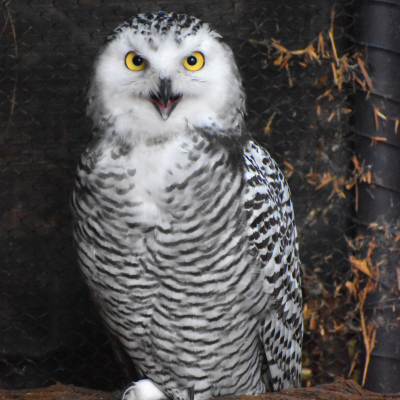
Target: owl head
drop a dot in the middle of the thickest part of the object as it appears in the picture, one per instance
(164, 73)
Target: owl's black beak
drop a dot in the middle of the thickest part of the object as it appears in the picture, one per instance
(165, 101)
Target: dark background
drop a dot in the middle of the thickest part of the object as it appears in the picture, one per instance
(49, 330)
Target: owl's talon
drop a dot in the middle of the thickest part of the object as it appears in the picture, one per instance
(144, 389)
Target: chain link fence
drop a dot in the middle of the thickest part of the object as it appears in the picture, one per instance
(299, 107)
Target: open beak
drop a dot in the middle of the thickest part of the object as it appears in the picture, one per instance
(164, 101)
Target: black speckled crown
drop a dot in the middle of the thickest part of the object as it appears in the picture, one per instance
(161, 23)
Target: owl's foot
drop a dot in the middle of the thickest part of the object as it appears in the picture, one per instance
(144, 389)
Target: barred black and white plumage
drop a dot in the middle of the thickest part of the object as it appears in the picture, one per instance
(183, 223)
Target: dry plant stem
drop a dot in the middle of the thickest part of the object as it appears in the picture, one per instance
(372, 271)
(14, 92)
(331, 37)
(369, 339)
(268, 126)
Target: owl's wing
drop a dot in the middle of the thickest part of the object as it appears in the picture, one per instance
(272, 234)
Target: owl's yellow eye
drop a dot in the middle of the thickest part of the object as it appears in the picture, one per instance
(194, 62)
(134, 62)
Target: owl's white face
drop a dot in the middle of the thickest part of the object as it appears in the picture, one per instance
(165, 93)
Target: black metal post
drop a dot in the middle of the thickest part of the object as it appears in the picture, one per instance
(377, 28)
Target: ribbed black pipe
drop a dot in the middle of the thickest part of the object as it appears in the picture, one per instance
(377, 29)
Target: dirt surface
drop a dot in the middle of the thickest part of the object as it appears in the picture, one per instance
(56, 392)
(338, 390)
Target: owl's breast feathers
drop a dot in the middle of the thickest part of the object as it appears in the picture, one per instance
(189, 247)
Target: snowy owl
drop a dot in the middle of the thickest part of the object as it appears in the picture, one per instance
(183, 224)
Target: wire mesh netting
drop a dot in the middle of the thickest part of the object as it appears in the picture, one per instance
(298, 106)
